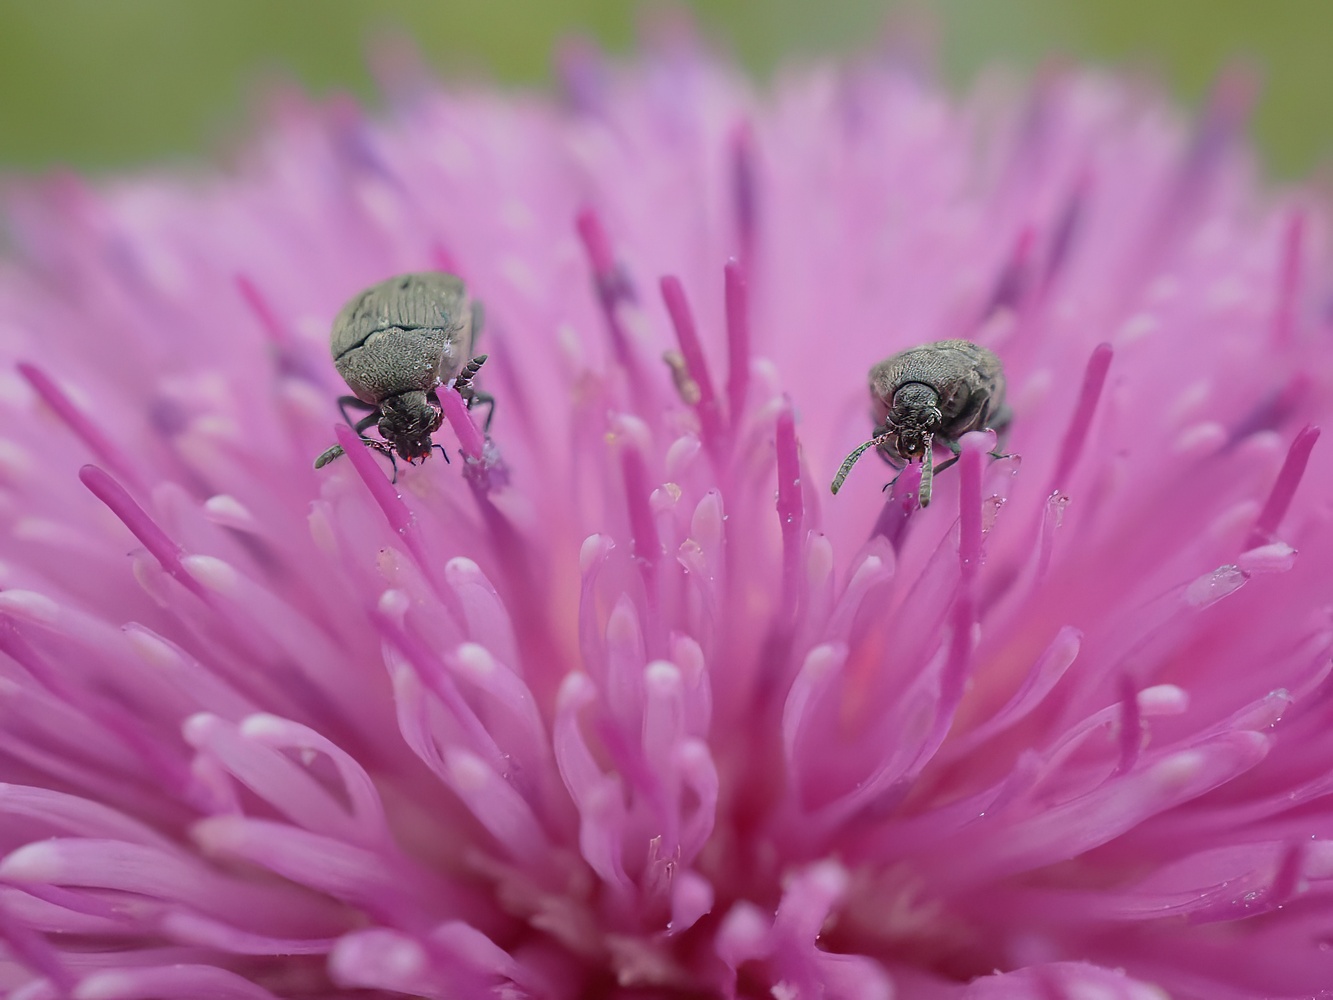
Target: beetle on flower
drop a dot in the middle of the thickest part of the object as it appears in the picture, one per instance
(937, 391)
(395, 345)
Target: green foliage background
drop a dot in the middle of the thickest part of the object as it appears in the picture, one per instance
(110, 83)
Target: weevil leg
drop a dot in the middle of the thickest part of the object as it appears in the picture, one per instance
(893, 465)
(957, 448)
(999, 423)
(475, 397)
(443, 452)
(385, 449)
(1001, 419)
(958, 453)
(358, 425)
(954, 447)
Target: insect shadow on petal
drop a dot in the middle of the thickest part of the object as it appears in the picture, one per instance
(929, 395)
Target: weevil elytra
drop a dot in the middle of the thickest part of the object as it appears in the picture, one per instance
(928, 395)
(396, 344)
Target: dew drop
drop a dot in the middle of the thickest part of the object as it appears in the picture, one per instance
(1055, 508)
(1212, 587)
(990, 510)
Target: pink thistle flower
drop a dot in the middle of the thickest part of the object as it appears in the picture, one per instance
(657, 716)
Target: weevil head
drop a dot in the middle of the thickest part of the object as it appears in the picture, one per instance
(913, 419)
(407, 421)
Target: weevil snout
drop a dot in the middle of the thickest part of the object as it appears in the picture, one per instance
(911, 443)
(914, 417)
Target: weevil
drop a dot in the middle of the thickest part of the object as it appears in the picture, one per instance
(396, 344)
(928, 395)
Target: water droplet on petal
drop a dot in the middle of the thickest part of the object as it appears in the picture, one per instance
(1212, 587)
(990, 510)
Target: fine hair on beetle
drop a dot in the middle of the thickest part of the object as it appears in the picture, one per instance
(397, 344)
(929, 395)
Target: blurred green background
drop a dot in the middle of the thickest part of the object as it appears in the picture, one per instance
(110, 83)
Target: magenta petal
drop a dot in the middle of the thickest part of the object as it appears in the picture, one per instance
(70, 814)
(691, 898)
(854, 977)
(1061, 979)
(186, 982)
(191, 928)
(253, 753)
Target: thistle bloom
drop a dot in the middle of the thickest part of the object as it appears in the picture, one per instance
(623, 704)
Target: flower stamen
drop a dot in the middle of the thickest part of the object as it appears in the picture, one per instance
(710, 417)
(1094, 378)
(1284, 487)
(738, 343)
(83, 426)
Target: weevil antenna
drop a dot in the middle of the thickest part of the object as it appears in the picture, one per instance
(328, 456)
(927, 472)
(469, 372)
(853, 458)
